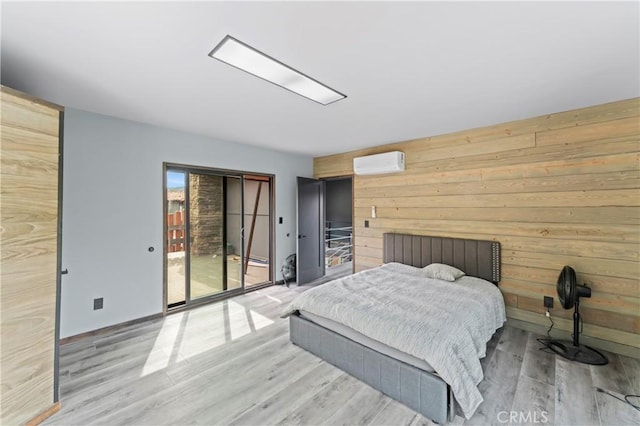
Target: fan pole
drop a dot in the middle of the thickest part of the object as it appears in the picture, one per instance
(576, 323)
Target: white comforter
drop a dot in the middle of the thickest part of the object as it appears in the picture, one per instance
(444, 323)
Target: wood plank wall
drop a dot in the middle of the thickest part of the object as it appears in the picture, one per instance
(561, 189)
(28, 251)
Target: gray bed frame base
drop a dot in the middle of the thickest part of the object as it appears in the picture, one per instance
(419, 390)
(423, 392)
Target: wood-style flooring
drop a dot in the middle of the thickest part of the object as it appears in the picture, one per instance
(231, 362)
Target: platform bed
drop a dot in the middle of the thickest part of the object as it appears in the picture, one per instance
(423, 391)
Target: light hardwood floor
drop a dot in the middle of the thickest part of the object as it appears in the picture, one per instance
(232, 363)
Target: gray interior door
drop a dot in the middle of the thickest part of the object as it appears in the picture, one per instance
(310, 247)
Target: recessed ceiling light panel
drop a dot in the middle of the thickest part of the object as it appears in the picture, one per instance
(248, 59)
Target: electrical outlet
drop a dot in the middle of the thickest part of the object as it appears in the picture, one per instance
(548, 302)
(98, 303)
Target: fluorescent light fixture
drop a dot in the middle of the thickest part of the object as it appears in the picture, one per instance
(244, 57)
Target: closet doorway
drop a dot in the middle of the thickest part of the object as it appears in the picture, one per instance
(218, 227)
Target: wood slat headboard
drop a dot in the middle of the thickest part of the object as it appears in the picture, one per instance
(476, 258)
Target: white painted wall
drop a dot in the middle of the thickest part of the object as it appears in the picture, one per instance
(112, 211)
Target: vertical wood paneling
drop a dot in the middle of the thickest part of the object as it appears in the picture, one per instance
(560, 189)
(28, 252)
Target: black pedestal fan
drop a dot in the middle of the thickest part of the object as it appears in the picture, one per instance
(569, 293)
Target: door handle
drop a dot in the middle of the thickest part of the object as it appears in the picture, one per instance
(64, 272)
(302, 236)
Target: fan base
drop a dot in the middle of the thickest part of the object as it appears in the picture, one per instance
(581, 353)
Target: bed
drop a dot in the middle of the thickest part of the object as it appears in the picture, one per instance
(416, 339)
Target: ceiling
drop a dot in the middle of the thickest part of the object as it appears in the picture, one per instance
(409, 70)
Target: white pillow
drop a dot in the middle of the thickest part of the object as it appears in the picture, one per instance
(442, 272)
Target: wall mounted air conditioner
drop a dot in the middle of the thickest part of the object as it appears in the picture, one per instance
(388, 162)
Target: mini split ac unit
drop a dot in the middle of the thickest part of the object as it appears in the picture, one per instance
(388, 162)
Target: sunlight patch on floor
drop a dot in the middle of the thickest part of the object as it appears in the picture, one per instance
(236, 321)
(248, 323)
(158, 358)
(274, 299)
(187, 334)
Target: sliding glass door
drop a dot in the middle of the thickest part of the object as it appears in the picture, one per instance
(206, 250)
(213, 263)
(234, 232)
(176, 240)
(257, 219)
